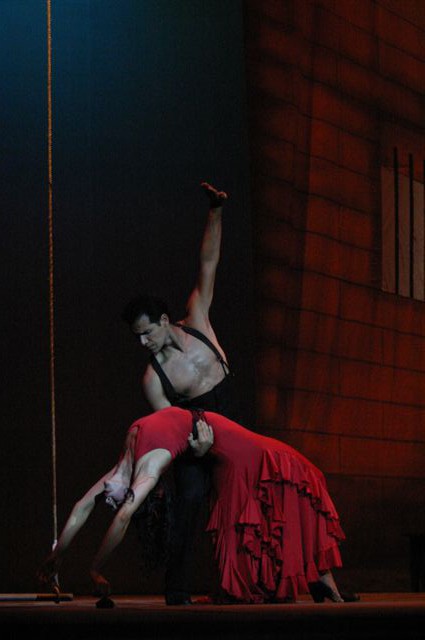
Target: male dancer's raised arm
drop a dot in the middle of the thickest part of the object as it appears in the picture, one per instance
(200, 299)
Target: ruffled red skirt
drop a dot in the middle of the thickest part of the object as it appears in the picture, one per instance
(273, 538)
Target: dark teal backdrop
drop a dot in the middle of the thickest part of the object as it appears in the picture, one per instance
(148, 100)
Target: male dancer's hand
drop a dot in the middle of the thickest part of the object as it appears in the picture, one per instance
(217, 198)
(204, 441)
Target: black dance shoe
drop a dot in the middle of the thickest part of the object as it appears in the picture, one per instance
(348, 596)
(320, 591)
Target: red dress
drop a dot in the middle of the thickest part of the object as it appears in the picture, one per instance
(273, 523)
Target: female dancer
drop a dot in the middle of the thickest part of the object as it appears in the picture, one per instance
(275, 529)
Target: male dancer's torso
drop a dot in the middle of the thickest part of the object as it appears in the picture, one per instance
(199, 378)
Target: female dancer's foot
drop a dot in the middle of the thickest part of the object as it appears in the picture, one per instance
(325, 587)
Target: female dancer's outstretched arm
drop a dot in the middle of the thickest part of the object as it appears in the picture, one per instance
(147, 473)
(76, 519)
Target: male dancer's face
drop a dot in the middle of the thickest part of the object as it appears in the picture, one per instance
(152, 335)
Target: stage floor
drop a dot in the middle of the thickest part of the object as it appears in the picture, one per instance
(377, 615)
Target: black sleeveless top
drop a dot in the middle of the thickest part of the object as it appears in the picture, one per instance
(219, 399)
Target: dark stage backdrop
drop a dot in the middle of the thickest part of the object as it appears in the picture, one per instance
(148, 100)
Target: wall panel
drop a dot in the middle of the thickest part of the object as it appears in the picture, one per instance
(347, 387)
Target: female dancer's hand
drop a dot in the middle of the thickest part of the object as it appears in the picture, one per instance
(101, 585)
(205, 439)
(46, 575)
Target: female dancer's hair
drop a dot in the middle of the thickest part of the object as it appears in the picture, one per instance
(153, 520)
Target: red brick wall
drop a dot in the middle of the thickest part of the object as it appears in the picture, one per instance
(341, 370)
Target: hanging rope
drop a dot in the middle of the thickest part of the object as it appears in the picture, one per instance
(51, 268)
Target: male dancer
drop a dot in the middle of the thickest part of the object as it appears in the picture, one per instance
(188, 368)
